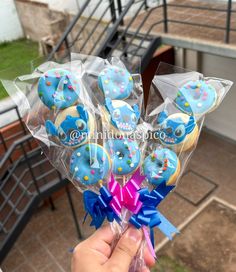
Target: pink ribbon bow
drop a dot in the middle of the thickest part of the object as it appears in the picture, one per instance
(126, 196)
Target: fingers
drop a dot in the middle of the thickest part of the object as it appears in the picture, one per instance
(148, 258)
(96, 248)
(104, 233)
(145, 269)
(125, 250)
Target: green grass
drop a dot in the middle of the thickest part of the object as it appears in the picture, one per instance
(166, 264)
(14, 59)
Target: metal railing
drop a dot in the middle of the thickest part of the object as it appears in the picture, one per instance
(29, 180)
(110, 33)
(127, 32)
(227, 10)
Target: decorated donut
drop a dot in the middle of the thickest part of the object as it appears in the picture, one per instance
(177, 130)
(115, 82)
(125, 155)
(58, 89)
(90, 164)
(196, 97)
(72, 126)
(161, 166)
(122, 116)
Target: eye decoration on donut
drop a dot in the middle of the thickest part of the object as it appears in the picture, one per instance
(122, 115)
(115, 82)
(72, 126)
(58, 89)
(196, 97)
(125, 155)
(161, 166)
(90, 164)
(175, 128)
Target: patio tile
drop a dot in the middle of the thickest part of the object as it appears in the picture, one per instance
(41, 259)
(31, 247)
(25, 267)
(194, 188)
(14, 259)
(53, 268)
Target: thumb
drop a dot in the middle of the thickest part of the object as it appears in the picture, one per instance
(125, 250)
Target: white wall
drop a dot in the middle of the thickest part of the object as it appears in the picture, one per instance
(10, 27)
(223, 119)
(70, 6)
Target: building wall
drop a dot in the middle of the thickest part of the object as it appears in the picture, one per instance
(70, 6)
(39, 21)
(222, 120)
(10, 24)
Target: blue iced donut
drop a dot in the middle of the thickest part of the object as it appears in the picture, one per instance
(115, 82)
(161, 166)
(125, 155)
(122, 116)
(58, 89)
(90, 164)
(196, 97)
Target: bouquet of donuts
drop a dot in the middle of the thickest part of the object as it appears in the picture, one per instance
(89, 117)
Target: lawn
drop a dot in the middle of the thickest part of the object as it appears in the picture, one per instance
(14, 59)
(166, 264)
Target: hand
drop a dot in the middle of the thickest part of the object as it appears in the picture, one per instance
(94, 254)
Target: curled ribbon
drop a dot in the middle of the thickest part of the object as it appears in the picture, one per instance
(126, 196)
(149, 216)
(97, 206)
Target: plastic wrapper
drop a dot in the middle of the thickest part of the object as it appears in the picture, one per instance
(177, 104)
(89, 118)
(116, 89)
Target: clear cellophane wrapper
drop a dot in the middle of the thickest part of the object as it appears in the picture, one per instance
(120, 137)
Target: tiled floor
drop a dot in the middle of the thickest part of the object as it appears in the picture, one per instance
(187, 16)
(45, 243)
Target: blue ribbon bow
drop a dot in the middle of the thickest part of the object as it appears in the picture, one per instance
(149, 216)
(97, 206)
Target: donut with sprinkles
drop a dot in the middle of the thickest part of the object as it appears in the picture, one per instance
(115, 82)
(196, 97)
(58, 89)
(90, 164)
(161, 166)
(125, 155)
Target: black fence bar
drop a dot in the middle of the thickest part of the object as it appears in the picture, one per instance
(95, 27)
(228, 21)
(112, 10)
(165, 19)
(103, 50)
(68, 30)
(123, 33)
(135, 34)
(145, 37)
(86, 23)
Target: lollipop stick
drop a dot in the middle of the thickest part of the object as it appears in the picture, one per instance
(124, 181)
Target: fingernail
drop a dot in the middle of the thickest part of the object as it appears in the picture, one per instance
(134, 234)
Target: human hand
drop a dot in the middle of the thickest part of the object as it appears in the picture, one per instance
(94, 254)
